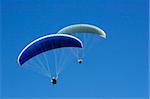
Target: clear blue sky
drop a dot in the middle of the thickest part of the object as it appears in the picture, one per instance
(116, 68)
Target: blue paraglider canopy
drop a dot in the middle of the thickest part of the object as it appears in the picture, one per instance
(46, 43)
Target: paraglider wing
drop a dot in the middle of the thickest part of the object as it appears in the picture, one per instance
(82, 28)
(46, 43)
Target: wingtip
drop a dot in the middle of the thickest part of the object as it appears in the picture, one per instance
(104, 36)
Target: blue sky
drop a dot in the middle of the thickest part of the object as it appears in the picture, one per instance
(118, 67)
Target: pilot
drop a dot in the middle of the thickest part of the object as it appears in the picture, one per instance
(80, 61)
(53, 80)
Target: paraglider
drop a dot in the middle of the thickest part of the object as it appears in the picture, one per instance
(84, 30)
(53, 80)
(48, 43)
(80, 61)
